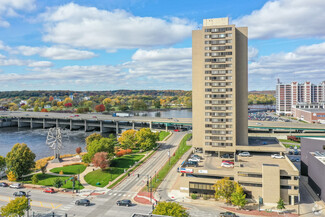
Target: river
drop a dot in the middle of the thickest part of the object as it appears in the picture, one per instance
(36, 138)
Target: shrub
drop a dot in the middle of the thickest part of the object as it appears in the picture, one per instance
(35, 179)
(128, 151)
(121, 153)
(205, 197)
(44, 110)
(194, 196)
(61, 172)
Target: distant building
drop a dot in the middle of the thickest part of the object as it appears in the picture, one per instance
(290, 95)
(313, 163)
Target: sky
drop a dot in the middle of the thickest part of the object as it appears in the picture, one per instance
(146, 44)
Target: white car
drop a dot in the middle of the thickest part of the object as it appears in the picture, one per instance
(194, 159)
(224, 164)
(277, 156)
(244, 154)
(16, 185)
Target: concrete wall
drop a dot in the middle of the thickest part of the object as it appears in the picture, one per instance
(271, 183)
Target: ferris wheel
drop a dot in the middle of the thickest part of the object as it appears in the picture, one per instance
(54, 141)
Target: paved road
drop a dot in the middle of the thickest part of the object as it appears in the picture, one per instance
(102, 205)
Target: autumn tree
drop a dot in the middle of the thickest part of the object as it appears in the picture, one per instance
(25, 107)
(92, 137)
(20, 159)
(67, 100)
(78, 150)
(146, 139)
(11, 176)
(100, 108)
(68, 105)
(107, 103)
(15, 207)
(238, 198)
(36, 109)
(100, 160)
(170, 209)
(128, 139)
(224, 188)
(44, 110)
(51, 98)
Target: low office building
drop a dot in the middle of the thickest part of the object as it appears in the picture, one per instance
(260, 175)
(313, 163)
(311, 115)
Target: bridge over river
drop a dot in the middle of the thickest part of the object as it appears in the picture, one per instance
(108, 123)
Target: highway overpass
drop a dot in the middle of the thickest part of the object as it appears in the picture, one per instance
(108, 123)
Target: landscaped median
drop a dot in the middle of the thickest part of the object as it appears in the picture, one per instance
(163, 135)
(160, 176)
(101, 178)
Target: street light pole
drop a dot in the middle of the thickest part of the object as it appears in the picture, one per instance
(28, 201)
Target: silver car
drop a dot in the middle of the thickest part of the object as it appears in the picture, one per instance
(244, 154)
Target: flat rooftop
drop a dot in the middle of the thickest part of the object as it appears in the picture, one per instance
(318, 110)
(319, 156)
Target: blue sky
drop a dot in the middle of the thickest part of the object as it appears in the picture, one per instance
(146, 44)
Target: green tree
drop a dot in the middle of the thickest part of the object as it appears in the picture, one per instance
(280, 204)
(35, 179)
(224, 189)
(146, 139)
(92, 137)
(157, 104)
(15, 207)
(170, 209)
(2, 164)
(20, 159)
(36, 109)
(57, 183)
(128, 139)
(238, 199)
(25, 107)
(102, 145)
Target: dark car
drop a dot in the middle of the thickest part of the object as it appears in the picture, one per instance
(227, 214)
(191, 163)
(227, 156)
(124, 203)
(3, 184)
(82, 202)
(20, 194)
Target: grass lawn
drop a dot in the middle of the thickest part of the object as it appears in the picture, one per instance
(288, 141)
(70, 170)
(182, 149)
(116, 169)
(47, 180)
(163, 135)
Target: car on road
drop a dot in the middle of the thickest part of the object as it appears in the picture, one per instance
(82, 202)
(244, 154)
(228, 165)
(94, 116)
(49, 190)
(124, 203)
(3, 184)
(176, 130)
(277, 156)
(19, 194)
(227, 214)
(76, 115)
(192, 163)
(16, 185)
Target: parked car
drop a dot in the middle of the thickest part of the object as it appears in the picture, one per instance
(82, 202)
(227, 156)
(227, 214)
(196, 156)
(16, 185)
(176, 130)
(94, 116)
(3, 184)
(194, 159)
(228, 161)
(124, 203)
(244, 154)
(277, 156)
(228, 165)
(19, 194)
(49, 190)
(192, 163)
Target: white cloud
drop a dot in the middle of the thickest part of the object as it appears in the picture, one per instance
(286, 19)
(156, 69)
(304, 63)
(40, 64)
(56, 52)
(252, 53)
(4, 61)
(9, 8)
(89, 27)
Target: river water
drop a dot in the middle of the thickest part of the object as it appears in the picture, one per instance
(36, 138)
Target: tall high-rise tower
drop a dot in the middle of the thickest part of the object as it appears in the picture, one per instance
(219, 67)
